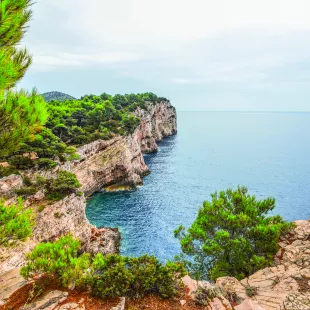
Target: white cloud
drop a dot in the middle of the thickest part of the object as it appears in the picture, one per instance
(43, 62)
(148, 22)
(173, 44)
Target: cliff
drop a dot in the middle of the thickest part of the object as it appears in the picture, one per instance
(118, 163)
(115, 163)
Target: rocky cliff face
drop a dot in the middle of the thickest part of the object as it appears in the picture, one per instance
(157, 122)
(118, 163)
(115, 163)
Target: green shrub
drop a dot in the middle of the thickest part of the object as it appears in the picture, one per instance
(65, 183)
(107, 276)
(16, 223)
(6, 171)
(232, 235)
(21, 162)
(46, 163)
(114, 275)
(31, 186)
(60, 260)
(26, 191)
(41, 208)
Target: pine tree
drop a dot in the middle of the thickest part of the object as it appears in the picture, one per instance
(21, 113)
(233, 235)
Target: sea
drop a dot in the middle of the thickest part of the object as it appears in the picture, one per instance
(268, 152)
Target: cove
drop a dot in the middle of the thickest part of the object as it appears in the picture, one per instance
(267, 152)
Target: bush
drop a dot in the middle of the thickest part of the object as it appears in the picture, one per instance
(232, 235)
(58, 259)
(46, 163)
(26, 191)
(16, 223)
(65, 183)
(31, 186)
(21, 162)
(114, 275)
(6, 171)
(107, 276)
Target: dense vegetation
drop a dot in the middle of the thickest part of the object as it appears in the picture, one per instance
(232, 235)
(56, 188)
(106, 276)
(16, 223)
(20, 112)
(77, 122)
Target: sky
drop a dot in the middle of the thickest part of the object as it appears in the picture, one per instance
(240, 55)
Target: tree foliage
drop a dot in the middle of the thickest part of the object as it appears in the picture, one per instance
(16, 223)
(59, 259)
(106, 276)
(115, 275)
(65, 183)
(233, 235)
(76, 122)
(20, 112)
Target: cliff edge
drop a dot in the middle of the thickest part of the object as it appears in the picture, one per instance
(112, 164)
(118, 163)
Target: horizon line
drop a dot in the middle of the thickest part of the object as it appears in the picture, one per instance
(242, 111)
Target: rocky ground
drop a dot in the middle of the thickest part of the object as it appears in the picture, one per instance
(285, 286)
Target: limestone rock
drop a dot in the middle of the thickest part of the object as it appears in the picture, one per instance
(204, 293)
(157, 121)
(9, 184)
(119, 161)
(48, 302)
(284, 286)
(68, 216)
(248, 304)
(10, 282)
(14, 256)
(104, 240)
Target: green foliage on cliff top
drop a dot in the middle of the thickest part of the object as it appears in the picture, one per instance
(21, 112)
(16, 222)
(232, 235)
(76, 122)
(106, 276)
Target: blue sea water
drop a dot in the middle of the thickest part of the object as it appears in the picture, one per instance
(267, 152)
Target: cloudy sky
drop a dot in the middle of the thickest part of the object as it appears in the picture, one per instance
(201, 54)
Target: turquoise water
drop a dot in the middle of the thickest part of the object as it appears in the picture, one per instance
(267, 152)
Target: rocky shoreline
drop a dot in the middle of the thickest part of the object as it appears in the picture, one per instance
(112, 164)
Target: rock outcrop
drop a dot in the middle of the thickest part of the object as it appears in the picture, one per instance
(283, 286)
(157, 122)
(118, 163)
(9, 184)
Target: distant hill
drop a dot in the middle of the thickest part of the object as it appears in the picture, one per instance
(56, 95)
